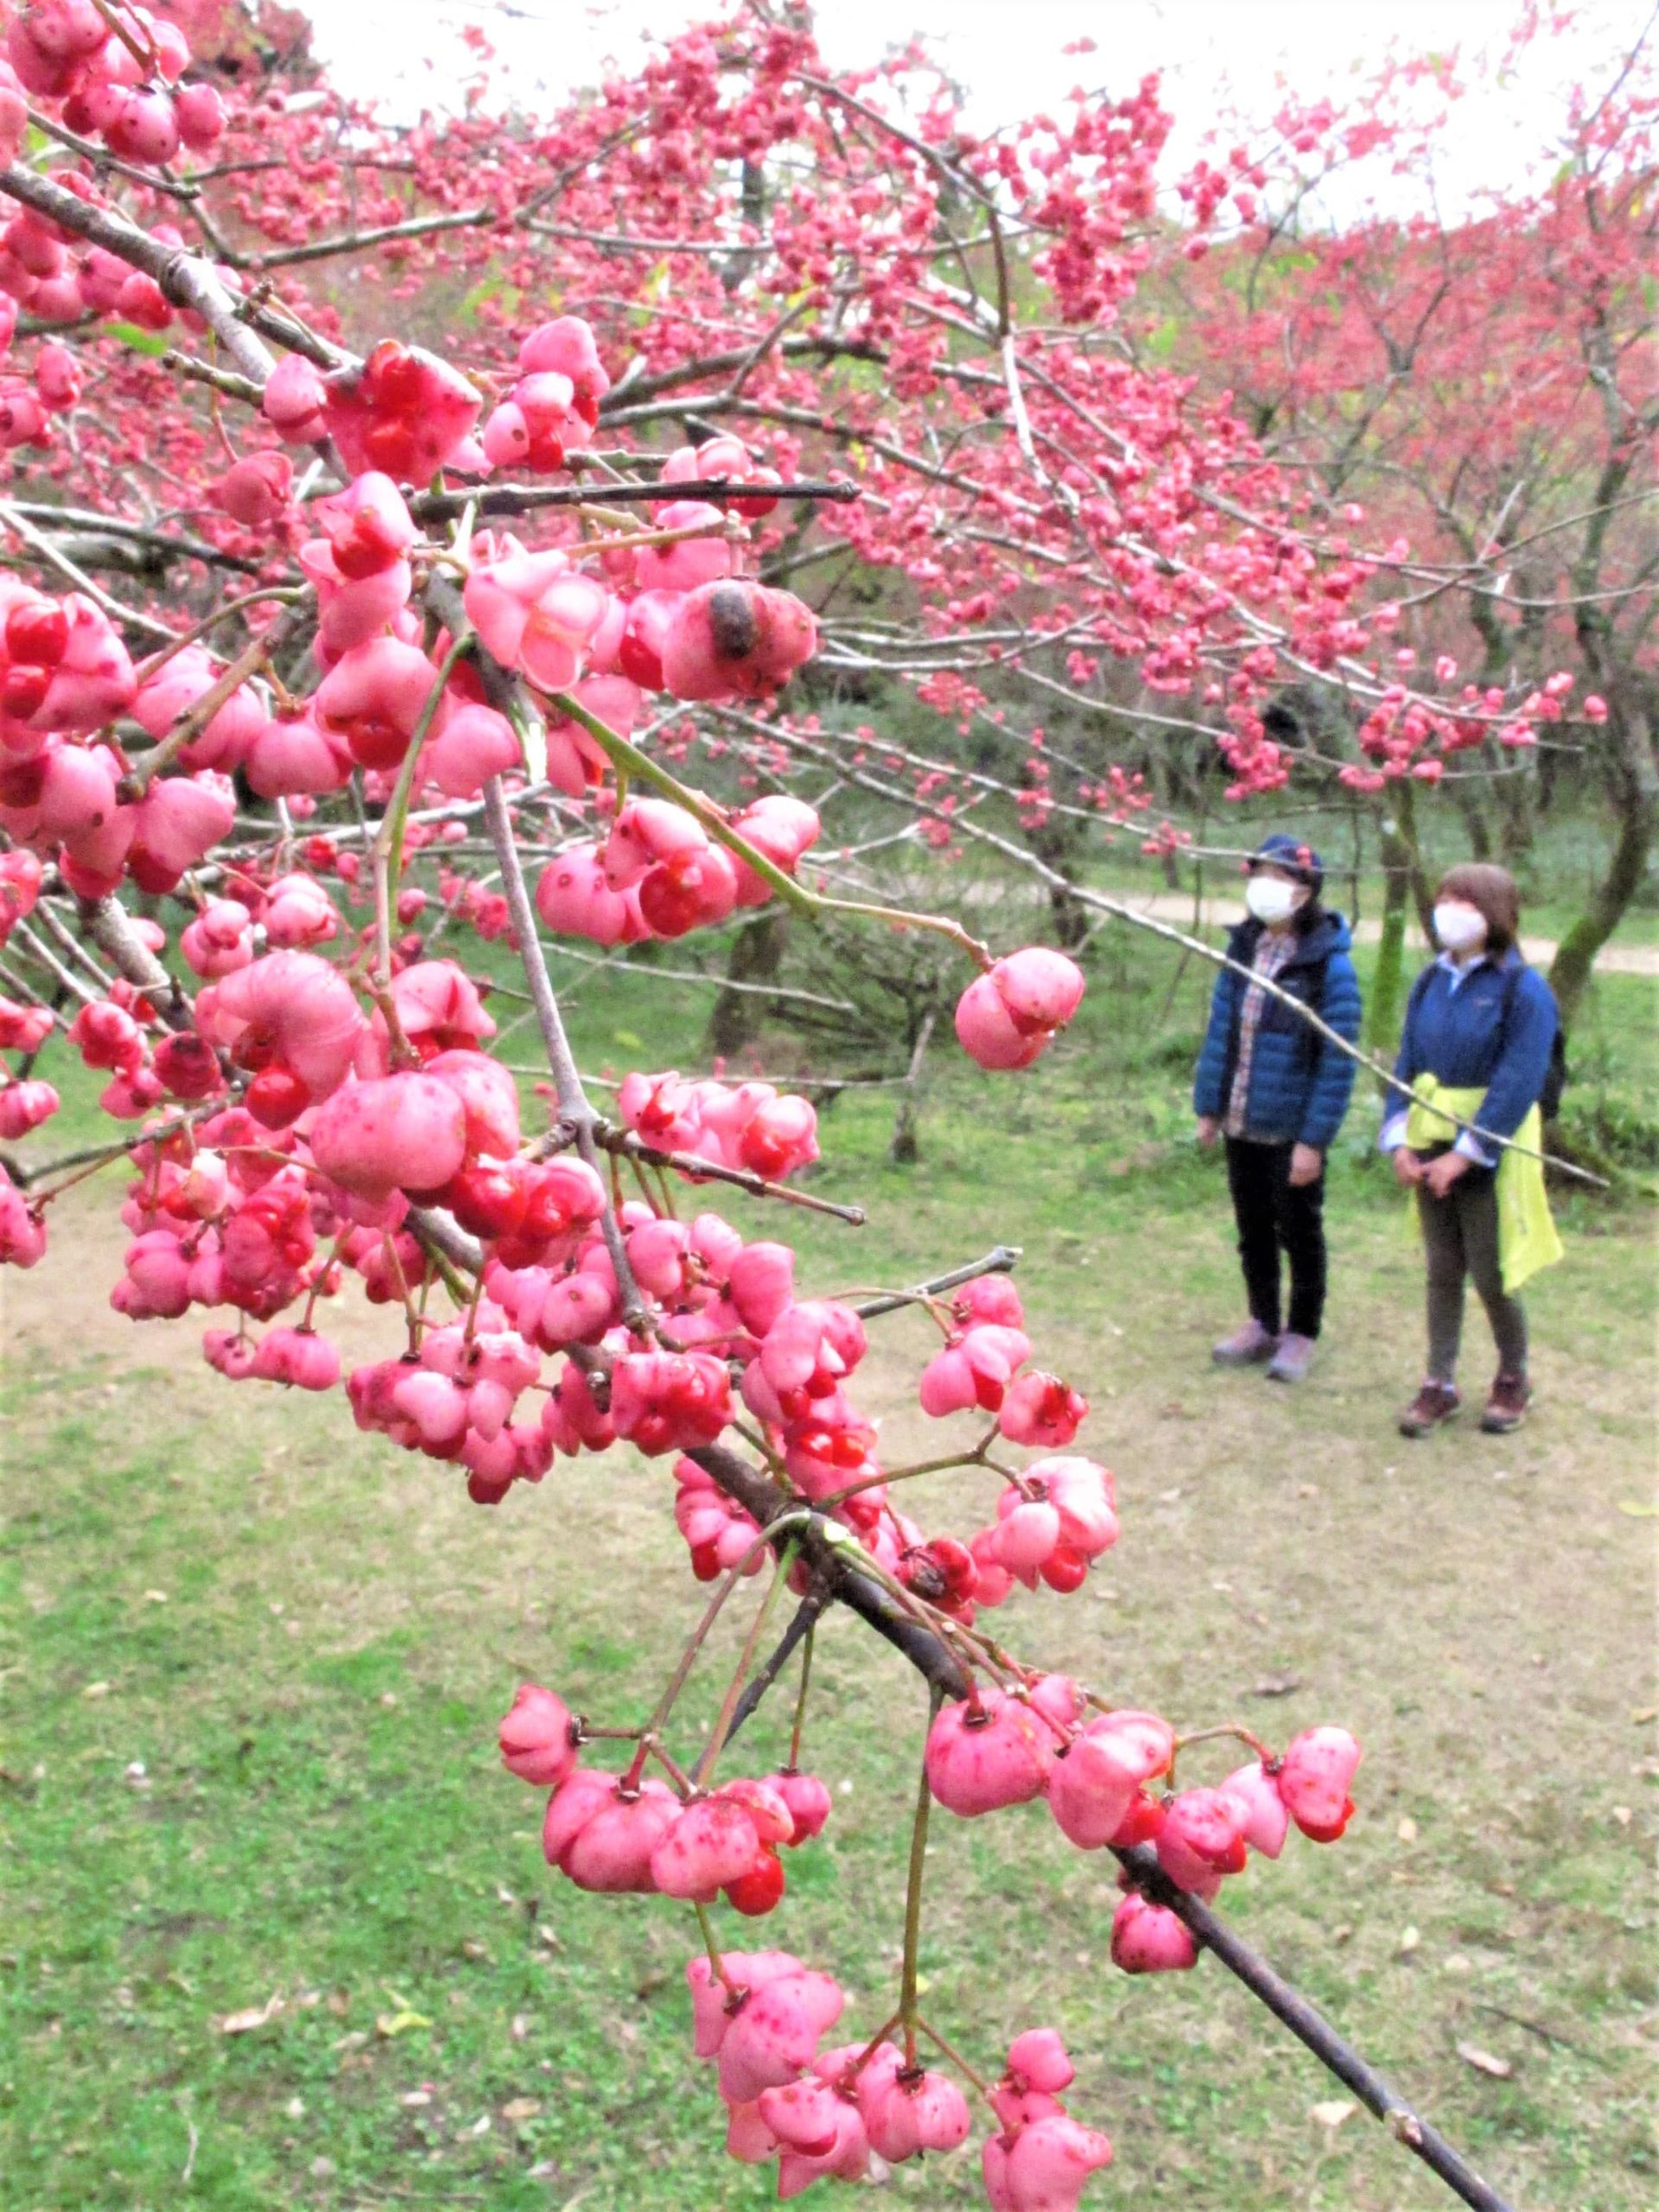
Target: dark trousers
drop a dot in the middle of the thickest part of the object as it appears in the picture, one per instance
(1273, 1216)
(1460, 1242)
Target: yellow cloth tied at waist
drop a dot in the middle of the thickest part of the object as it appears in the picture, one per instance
(1527, 1237)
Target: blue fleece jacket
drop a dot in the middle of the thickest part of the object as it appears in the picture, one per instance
(1301, 1083)
(1477, 1030)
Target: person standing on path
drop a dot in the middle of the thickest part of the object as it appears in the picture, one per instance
(1277, 1091)
(1479, 1041)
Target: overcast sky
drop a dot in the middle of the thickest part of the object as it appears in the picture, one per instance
(1008, 53)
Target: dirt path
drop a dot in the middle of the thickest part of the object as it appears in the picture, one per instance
(1174, 907)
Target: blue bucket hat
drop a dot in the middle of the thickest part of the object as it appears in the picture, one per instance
(1294, 857)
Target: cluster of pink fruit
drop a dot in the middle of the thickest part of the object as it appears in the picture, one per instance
(267, 1199)
(999, 1748)
(630, 1832)
(116, 70)
(660, 873)
(760, 2016)
(115, 74)
(751, 1125)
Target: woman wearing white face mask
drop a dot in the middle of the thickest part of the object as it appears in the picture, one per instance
(1277, 1091)
(1479, 1037)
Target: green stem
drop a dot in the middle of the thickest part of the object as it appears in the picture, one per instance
(800, 1703)
(709, 1944)
(959, 2062)
(386, 853)
(913, 1903)
(688, 1659)
(390, 840)
(1234, 1728)
(973, 1458)
(846, 2080)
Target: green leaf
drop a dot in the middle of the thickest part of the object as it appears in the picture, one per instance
(141, 341)
(628, 1041)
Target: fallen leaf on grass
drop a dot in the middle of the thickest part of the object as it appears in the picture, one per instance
(1406, 1830)
(96, 1689)
(416, 2100)
(1409, 1939)
(1332, 2115)
(1484, 2062)
(1274, 1686)
(1642, 1715)
(1639, 1508)
(254, 2016)
(399, 2024)
(521, 2108)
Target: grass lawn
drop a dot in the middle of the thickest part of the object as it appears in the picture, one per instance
(253, 1662)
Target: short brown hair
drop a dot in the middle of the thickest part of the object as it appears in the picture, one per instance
(1480, 884)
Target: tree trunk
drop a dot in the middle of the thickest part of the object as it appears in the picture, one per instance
(1421, 897)
(757, 955)
(1475, 821)
(905, 1149)
(1515, 797)
(1403, 888)
(1633, 783)
(1057, 842)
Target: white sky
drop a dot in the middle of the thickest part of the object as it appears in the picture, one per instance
(1007, 53)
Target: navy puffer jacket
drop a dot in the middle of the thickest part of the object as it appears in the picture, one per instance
(1301, 1083)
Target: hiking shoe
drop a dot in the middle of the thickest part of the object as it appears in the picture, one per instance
(1292, 1359)
(1506, 1407)
(1246, 1347)
(1434, 1403)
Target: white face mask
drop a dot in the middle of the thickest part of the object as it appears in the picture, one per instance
(1271, 900)
(1459, 928)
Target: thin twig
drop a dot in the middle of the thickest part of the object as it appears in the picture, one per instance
(1001, 1260)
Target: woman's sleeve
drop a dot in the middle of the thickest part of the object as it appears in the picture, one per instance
(1333, 1070)
(1514, 1086)
(1212, 1059)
